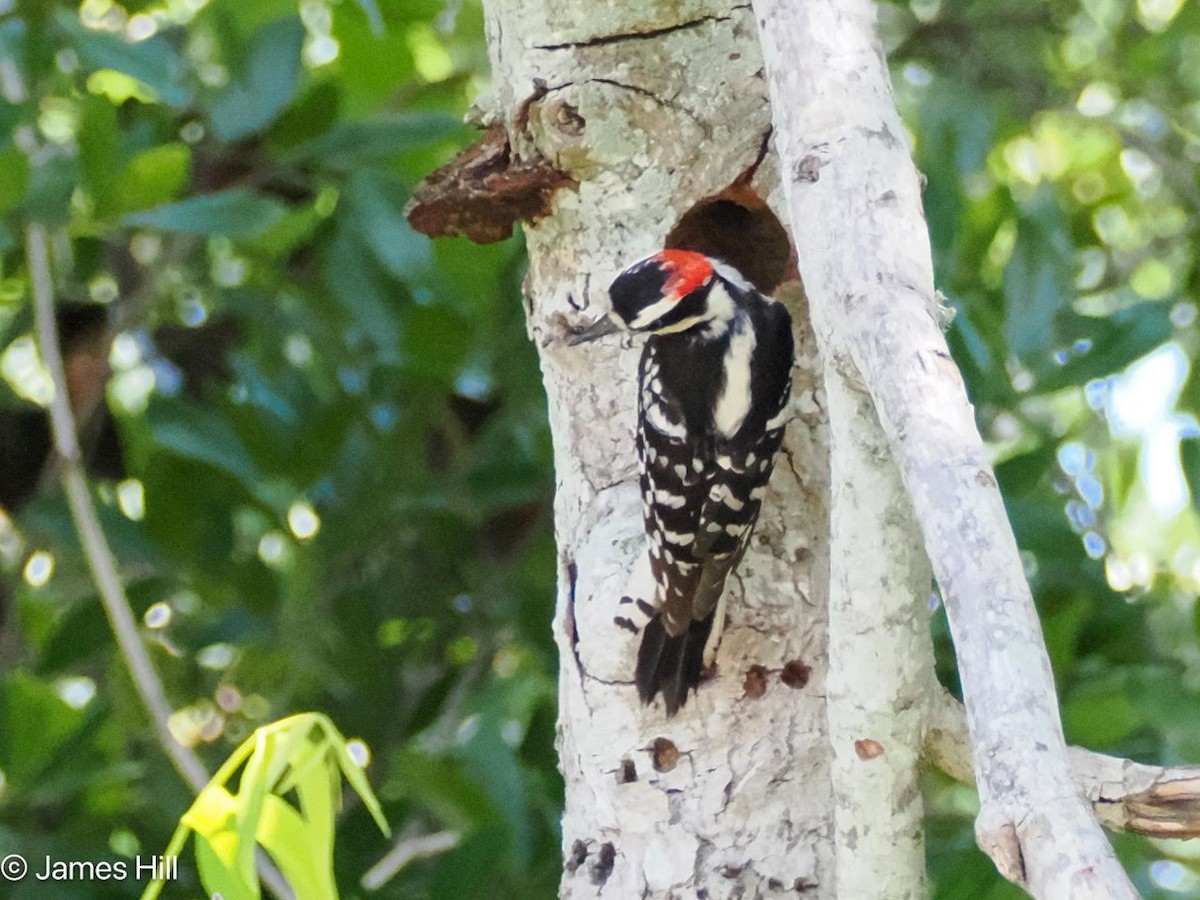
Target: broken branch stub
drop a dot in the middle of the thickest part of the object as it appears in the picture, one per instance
(484, 191)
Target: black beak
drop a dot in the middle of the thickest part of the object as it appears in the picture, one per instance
(597, 329)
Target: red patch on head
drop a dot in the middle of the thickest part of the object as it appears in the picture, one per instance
(685, 270)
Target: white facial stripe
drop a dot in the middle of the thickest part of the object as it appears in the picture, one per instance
(683, 325)
(654, 311)
(733, 405)
(719, 307)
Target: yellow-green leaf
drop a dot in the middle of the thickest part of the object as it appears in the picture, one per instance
(211, 812)
(219, 876)
(283, 833)
(152, 177)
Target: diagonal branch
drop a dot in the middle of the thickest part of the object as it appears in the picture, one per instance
(99, 555)
(854, 200)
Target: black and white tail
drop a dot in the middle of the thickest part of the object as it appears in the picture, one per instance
(671, 665)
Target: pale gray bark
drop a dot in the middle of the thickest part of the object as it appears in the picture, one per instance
(880, 658)
(652, 107)
(855, 205)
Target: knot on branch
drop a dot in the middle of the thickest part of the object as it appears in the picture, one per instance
(997, 837)
(484, 191)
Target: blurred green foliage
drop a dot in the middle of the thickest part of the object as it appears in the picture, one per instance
(337, 468)
(338, 472)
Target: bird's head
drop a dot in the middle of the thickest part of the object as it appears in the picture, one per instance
(671, 291)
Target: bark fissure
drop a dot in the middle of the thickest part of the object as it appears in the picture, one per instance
(665, 102)
(648, 34)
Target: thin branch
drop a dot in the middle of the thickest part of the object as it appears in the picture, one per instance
(99, 555)
(100, 559)
(407, 850)
(1156, 801)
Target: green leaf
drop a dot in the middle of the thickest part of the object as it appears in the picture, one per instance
(1022, 473)
(316, 784)
(154, 176)
(195, 433)
(1100, 713)
(359, 284)
(248, 105)
(354, 774)
(246, 18)
(78, 633)
(284, 834)
(213, 811)
(154, 62)
(467, 871)
(1037, 281)
(444, 787)
(253, 788)
(1112, 344)
(51, 185)
(234, 213)
(371, 65)
(98, 154)
(376, 203)
(313, 114)
(217, 872)
(435, 341)
(348, 144)
(303, 752)
(34, 722)
(14, 179)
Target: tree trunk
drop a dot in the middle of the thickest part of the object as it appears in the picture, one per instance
(663, 125)
(654, 116)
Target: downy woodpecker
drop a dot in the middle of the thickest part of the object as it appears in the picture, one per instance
(713, 386)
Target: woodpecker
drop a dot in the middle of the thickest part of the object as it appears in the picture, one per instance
(713, 386)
